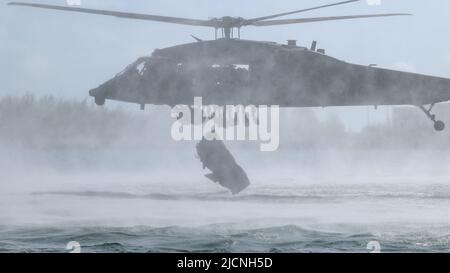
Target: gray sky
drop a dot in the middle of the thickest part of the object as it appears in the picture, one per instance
(66, 54)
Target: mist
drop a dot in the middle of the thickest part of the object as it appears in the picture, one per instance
(114, 179)
(71, 163)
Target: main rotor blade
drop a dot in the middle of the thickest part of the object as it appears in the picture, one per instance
(321, 19)
(250, 21)
(148, 17)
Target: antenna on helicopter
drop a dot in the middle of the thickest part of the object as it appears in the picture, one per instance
(225, 24)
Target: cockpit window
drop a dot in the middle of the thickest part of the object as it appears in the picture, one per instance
(140, 66)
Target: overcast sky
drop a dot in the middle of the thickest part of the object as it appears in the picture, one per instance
(66, 54)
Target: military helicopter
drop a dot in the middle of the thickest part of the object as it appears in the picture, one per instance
(230, 70)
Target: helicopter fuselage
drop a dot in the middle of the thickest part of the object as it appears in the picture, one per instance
(242, 72)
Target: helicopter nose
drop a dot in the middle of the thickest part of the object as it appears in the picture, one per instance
(100, 91)
(93, 92)
(99, 96)
(97, 92)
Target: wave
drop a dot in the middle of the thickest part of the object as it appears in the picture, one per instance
(288, 238)
(256, 197)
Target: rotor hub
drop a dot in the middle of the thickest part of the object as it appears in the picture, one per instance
(227, 24)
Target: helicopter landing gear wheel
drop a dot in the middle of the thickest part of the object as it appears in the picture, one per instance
(438, 125)
(100, 101)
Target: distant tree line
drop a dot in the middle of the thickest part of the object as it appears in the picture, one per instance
(53, 123)
(48, 122)
(408, 128)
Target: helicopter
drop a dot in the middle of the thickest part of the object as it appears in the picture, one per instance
(231, 70)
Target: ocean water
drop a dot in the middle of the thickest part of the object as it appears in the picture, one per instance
(286, 209)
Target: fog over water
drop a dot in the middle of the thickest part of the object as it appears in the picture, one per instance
(113, 179)
(71, 170)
